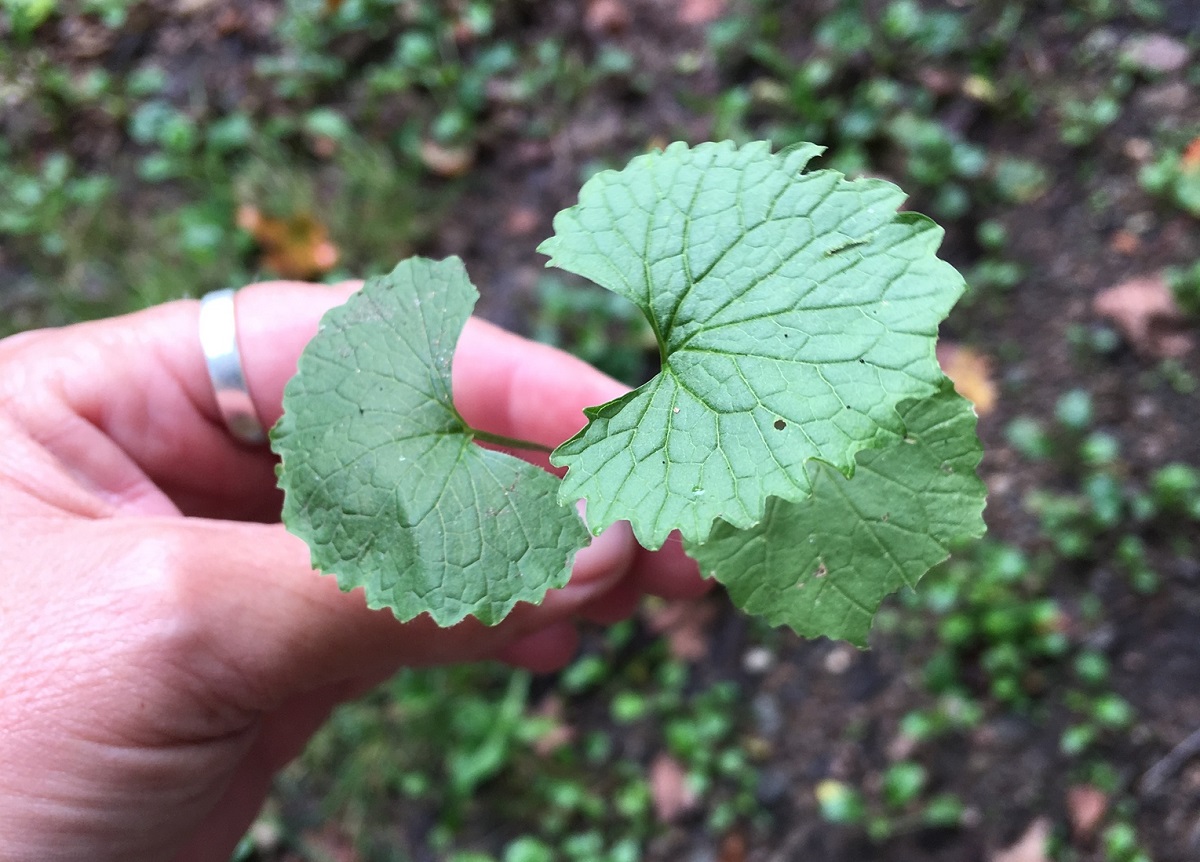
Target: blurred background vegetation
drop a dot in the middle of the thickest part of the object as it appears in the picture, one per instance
(155, 150)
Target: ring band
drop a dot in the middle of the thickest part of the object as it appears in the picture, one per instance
(218, 338)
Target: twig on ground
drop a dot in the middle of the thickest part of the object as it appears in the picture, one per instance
(1157, 775)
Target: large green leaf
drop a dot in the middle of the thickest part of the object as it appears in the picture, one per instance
(794, 312)
(382, 477)
(823, 565)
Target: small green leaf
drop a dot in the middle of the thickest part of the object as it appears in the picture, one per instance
(840, 803)
(382, 477)
(793, 311)
(823, 565)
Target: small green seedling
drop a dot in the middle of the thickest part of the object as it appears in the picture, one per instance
(1184, 282)
(799, 436)
(1174, 176)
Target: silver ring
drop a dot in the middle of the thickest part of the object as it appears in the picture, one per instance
(218, 338)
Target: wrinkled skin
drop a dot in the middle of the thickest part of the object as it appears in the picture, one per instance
(164, 645)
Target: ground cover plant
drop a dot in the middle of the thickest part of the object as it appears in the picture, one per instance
(1034, 700)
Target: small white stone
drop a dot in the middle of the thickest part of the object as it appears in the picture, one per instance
(758, 660)
(839, 659)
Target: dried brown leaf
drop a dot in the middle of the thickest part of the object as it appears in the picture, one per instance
(1086, 806)
(607, 16)
(733, 848)
(685, 626)
(559, 733)
(669, 789)
(1190, 160)
(447, 161)
(294, 247)
(1145, 311)
(521, 220)
(1031, 847)
(696, 12)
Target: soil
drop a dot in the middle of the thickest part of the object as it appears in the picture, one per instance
(834, 712)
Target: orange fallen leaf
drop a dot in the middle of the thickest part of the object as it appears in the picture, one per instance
(1190, 161)
(971, 373)
(297, 246)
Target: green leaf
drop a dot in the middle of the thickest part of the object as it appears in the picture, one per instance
(823, 565)
(383, 478)
(794, 312)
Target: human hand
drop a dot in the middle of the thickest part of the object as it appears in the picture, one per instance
(164, 645)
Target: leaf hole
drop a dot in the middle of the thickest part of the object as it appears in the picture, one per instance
(780, 424)
(822, 570)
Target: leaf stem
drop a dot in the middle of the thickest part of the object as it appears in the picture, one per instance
(508, 442)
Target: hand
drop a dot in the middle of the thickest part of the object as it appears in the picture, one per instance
(164, 645)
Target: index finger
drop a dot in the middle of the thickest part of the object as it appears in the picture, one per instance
(142, 381)
(502, 383)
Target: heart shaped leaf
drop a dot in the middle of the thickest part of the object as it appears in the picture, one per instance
(382, 477)
(794, 312)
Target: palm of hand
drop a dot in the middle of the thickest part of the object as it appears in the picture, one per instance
(164, 645)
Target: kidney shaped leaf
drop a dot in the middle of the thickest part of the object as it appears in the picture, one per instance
(794, 311)
(382, 477)
(823, 565)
